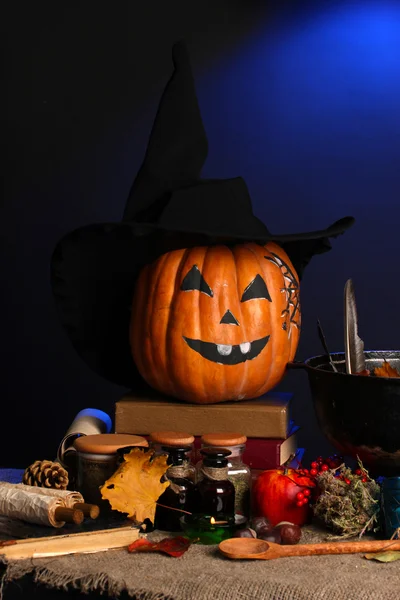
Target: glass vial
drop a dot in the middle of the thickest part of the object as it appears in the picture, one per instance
(214, 493)
(179, 495)
(238, 472)
(178, 439)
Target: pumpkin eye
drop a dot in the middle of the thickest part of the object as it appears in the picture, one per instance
(194, 280)
(256, 289)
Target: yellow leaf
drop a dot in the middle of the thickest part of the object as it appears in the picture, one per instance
(388, 556)
(135, 486)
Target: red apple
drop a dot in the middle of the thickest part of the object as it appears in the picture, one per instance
(276, 494)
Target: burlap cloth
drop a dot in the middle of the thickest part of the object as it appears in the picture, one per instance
(203, 574)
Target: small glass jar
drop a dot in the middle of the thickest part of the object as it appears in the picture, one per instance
(238, 472)
(214, 493)
(97, 461)
(179, 495)
(177, 439)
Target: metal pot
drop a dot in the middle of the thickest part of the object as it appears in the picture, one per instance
(359, 415)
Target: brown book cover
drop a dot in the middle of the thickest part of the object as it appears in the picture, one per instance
(264, 417)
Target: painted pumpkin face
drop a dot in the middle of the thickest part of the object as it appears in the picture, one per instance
(212, 324)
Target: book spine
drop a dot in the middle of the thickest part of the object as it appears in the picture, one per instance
(260, 453)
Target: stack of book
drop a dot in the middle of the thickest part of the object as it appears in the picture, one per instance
(271, 434)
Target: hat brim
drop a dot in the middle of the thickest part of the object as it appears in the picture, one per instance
(334, 230)
(93, 275)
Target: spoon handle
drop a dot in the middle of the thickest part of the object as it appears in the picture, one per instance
(337, 548)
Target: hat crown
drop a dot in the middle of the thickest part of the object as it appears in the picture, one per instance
(216, 207)
(177, 148)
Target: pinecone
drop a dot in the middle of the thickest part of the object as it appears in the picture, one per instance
(45, 473)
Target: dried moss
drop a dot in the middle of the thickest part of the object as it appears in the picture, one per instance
(347, 505)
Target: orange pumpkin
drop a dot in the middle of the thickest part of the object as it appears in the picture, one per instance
(212, 324)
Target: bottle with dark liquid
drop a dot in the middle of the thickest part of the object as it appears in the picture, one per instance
(214, 493)
(180, 492)
(238, 472)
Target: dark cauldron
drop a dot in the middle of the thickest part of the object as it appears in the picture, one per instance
(359, 415)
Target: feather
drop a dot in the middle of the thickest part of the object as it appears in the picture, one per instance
(353, 344)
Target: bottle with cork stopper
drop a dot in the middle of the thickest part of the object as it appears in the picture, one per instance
(178, 496)
(173, 439)
(214, 493)
(238, 472)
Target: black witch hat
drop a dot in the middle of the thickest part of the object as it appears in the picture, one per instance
(94, 268)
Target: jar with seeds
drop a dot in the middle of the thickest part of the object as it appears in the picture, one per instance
(238, 472)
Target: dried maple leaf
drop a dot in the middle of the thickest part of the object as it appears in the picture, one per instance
(388, 556)
(386, 370)
(175, 546)
(135, 486)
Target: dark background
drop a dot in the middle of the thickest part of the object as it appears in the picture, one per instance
(300, 98)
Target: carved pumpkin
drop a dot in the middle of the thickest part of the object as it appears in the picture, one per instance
(212, 324)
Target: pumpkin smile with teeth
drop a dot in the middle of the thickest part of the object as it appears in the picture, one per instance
(225, 354)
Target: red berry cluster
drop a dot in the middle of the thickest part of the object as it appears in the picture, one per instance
(303, 497)
(358, 472)
(333, 462)
(362, 474)
(321, 464)
(343, 478)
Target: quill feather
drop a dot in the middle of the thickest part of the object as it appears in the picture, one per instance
(353, 344)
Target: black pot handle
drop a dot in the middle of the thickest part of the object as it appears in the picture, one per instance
(296, 365)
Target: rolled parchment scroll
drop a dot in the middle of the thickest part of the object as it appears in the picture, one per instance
(88, 421)
(17, 503)
(72, 499)
(69, 498)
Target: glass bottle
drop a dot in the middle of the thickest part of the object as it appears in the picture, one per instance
(214, 493)
(159, 439)
(179, 495)
(238, 472)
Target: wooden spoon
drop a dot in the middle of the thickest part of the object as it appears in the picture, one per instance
(259, 549)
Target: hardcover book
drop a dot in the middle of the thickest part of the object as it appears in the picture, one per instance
(264, 417)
